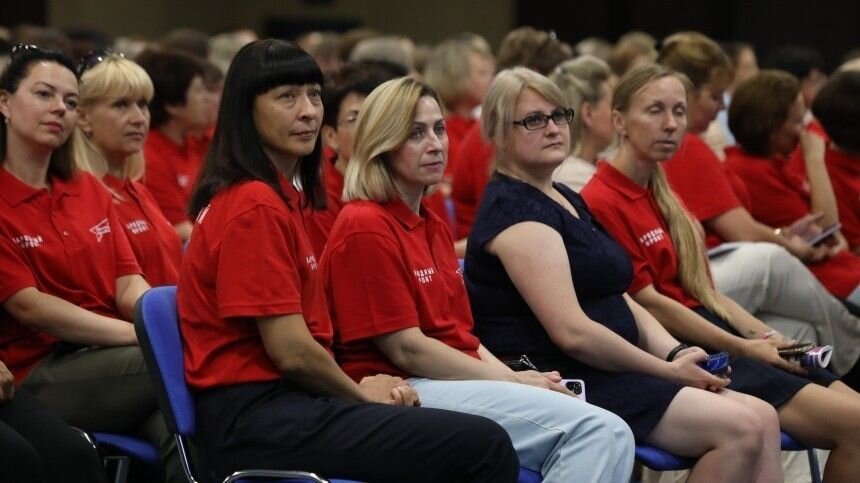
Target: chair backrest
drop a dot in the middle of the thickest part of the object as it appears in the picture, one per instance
(156, 322)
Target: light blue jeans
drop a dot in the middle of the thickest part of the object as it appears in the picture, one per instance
(559, 436)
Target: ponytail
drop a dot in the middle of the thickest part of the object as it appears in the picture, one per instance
(693, 268)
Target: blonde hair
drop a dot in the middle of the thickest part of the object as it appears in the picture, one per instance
(449, 65)
(693, 271)
(497, 113)
(383, 125)
(113, 77)
(581, 80)
(698, 57)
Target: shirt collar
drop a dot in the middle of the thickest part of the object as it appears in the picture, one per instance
(408, 218)
(619, 181)
(15, 191)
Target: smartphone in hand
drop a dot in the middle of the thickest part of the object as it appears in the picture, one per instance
(825, 234)
(576, 386)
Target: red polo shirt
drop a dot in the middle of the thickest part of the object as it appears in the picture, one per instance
(844, 170)
(699, 180)
(249, 257)
(631, 215)
(388, 269)
(470, 175)
(456, 127)
(171, 170)
(65, 242)
(155, 243)
(779, 197)
(318, 223)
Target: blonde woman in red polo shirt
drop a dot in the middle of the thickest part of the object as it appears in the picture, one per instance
(764, 274)
(630, 197)
(254, 318)
(399, 305)
(70, 279)
(112, 126)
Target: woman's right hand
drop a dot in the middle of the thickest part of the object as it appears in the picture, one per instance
(541, 379)
(686, 371)
(800, 248)
(7, 383)
(767, 352)
(386, 389)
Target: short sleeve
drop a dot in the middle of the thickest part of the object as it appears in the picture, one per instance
(368, 284)
(643, 274)
(126, 263)
(17, 274)
(258, 273)
(498, 213)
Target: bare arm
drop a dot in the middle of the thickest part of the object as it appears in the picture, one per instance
(183, 228)
(301, 359)
(67, 321)
(821, 191)
(534, 257)
(687, 325)
(412, 351)
(738, 225)
(129, 288)
(653, 337)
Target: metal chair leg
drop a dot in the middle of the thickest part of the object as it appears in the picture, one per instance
(814, 472)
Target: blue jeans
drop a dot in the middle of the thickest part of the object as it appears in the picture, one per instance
(560, 436)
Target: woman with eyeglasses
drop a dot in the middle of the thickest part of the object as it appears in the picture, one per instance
(545, 279)
(113, 122)
(254, 319)
(399, 306)
(70, 279)
(630, 197)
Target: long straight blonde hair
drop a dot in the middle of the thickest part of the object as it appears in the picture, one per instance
(693, 271)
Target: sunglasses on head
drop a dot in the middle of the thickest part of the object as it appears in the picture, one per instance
(92, 58)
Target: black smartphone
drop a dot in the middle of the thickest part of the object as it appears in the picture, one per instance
(796, 349)
(825, 234)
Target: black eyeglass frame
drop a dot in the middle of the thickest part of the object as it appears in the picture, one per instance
(560, 117)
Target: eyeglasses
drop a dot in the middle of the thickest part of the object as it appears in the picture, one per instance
(92, 58)
(533, 122)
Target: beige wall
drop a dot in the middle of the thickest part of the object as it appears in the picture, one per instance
(423, 20)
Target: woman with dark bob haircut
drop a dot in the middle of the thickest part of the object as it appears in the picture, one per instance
(766, 117)
(254, 319)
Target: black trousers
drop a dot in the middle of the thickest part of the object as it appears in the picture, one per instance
(37, 446)
(275, 426)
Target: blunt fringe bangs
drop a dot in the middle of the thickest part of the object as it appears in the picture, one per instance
(236, 153)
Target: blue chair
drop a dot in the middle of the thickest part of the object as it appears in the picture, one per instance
(121, 449)
(788, 443)
(157, 327)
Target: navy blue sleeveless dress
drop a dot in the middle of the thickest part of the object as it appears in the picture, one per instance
(601, 271)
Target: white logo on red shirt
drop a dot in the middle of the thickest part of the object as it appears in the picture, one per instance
(202, 214)
(424, 275)
(101, 229)
(311, 261)
(137, 227)
(183, 180)
(652, 237)
(28, 241)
